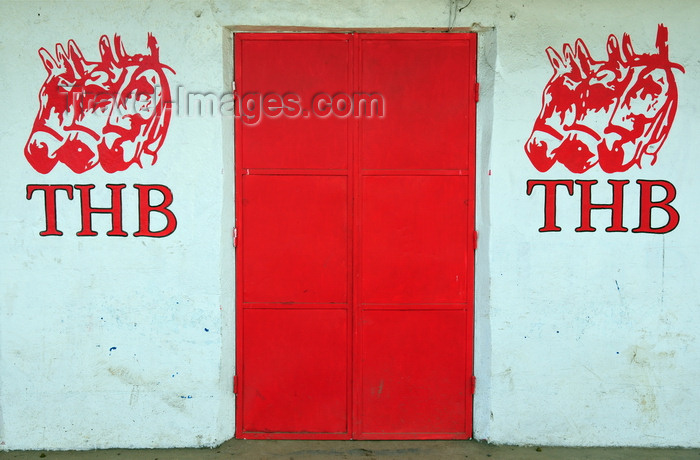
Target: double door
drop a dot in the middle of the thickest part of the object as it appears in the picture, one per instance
(355, 235)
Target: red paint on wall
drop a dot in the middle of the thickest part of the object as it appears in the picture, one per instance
(647, 204)
(109, 112)
(609, 113)
(145, 208)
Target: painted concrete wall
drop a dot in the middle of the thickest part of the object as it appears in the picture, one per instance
(582, 338)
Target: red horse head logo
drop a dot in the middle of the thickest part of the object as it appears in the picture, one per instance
(609, 113)
(108, 112)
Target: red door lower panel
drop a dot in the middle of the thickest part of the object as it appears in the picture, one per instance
(413, 240)
(413, 373)
(355, 251)
(301, 223)
(297, 369)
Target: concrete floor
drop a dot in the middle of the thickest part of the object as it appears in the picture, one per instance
(384, 450)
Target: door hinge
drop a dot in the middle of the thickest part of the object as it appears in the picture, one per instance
(235, 237)
(476, 92)
(235, 384)
(473, 384)
(476, 239)
(233, 90)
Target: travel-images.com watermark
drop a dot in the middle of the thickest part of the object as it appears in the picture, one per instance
(251, 108)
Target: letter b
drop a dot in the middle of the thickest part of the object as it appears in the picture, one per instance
(146, 208)
(646, 205)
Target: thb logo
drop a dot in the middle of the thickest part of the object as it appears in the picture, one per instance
(647, 205)
(613, 113)
(145, 208)
(109, 112)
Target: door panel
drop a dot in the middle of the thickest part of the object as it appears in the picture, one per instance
(414, 373)
(300, 223)
(299, 68)
(424, 85)
(293, 202)
(297, 369)
(414, 215)
(413, 239)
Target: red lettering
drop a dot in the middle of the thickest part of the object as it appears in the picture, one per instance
(146, 208)
(615, 206)
(550, 200)
(86, 210)
(50, 204)
(646, 206)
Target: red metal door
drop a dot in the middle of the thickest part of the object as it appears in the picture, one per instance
(355, 253)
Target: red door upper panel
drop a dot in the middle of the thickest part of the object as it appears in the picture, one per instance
(427, 103)
(299, 68)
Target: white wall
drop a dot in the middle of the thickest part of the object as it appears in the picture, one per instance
(593, 335)
(581, 338)
(166, 304)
